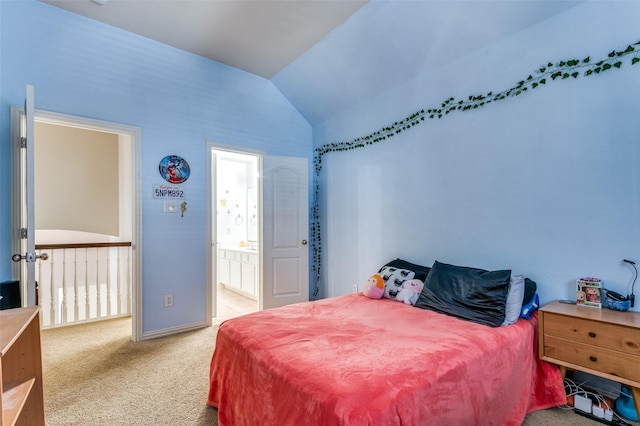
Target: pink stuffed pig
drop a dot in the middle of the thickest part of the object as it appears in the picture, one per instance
(410, 291)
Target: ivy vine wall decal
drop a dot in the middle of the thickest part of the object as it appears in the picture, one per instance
(566, 69)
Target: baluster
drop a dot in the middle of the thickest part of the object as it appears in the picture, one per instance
(87, 287)
(64, 287)
(108, 281)
(129, 280)
(98, 304)
(118, 282)
(52, 291)
(41, 292)
(76, 312)
(37, 277)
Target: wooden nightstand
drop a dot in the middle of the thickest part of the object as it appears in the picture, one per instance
(601, 342)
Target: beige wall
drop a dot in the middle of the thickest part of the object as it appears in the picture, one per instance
(76, 179)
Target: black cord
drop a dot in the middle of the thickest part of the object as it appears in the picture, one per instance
(632, 297)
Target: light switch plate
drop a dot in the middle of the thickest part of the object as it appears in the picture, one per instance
(170, 207)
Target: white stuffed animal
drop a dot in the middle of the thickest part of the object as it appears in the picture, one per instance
(410, 291)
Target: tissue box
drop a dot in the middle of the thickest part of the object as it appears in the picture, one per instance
(589, 292)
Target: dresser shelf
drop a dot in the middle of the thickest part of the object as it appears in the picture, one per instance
(22, 400)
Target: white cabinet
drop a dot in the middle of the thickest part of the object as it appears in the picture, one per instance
(235, 273)
(249, 279)
(223, 269)
(238, 271)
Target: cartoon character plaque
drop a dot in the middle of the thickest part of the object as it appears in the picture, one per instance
(174, 169)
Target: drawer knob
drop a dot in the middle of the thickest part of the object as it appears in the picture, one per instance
(592, 334)
(593, 358)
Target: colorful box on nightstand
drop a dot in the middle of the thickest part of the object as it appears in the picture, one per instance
(589, 292)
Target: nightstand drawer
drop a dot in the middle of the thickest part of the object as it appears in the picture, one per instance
(604, 335)
(603, 360)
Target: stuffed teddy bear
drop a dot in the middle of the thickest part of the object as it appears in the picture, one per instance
(374, 287)
(410, 291)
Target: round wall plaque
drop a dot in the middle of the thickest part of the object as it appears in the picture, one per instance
(174, 169)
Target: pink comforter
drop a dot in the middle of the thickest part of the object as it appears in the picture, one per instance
(351, 360)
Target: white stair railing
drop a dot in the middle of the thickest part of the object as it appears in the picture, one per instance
(83, 282)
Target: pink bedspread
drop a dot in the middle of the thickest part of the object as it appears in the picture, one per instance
(351, 360)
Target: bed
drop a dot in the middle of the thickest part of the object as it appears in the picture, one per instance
(353, 360)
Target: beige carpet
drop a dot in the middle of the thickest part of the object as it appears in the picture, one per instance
(94, 375)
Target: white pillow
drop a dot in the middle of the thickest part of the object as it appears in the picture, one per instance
(393, 278)
(514, 299)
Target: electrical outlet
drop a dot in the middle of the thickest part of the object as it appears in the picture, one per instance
(355, 288)
(168, 300)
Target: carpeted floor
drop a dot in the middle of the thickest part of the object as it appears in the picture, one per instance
(94, 375)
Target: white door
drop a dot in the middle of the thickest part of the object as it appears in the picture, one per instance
(285, 231)
(23, 228)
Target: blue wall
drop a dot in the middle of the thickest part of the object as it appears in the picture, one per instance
(179, 100)
(546, 184)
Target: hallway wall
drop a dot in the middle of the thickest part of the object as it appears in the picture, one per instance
(179, 100)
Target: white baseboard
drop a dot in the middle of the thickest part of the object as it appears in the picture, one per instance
(173, 330)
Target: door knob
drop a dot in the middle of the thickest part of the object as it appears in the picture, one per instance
(29, 257)
(304, 242)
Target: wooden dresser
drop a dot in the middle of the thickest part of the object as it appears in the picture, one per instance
(21, 367)
(601, 342)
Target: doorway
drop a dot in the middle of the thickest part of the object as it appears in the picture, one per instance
(275, 248)
(91, 228)
(236, 248)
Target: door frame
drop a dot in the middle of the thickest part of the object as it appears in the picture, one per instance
(134, 133)
(212, 261)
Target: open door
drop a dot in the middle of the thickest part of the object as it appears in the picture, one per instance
(23, 225)
(285, 231)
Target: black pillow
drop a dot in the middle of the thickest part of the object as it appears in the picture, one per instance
(420, 271)
(530, 289)
(467, 293)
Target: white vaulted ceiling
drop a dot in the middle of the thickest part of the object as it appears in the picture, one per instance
(258, 36)
(325, 56)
